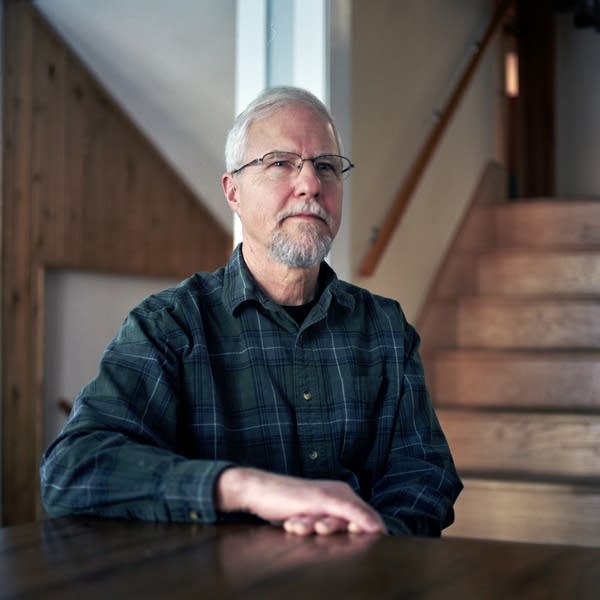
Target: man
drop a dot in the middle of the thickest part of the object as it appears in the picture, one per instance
(268, 389)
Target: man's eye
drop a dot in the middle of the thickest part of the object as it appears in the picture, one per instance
(282, 163)
(326, 167)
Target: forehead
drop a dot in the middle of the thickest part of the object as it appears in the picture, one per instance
(297, 128)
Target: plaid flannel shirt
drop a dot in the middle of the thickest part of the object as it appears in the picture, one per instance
(212, 373)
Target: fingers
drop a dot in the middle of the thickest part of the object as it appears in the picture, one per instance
(329, 525)
(354, 528)
(300, 524)
(343, 503)
(321, 525)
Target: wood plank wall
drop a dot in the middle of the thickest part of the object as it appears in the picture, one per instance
(82, 189)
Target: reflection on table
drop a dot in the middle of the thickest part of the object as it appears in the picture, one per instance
(84, 557)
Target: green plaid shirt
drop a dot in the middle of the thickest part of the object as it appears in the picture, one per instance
(212, 373)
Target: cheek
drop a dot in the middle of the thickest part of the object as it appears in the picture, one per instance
(334, 208)
(260, 211)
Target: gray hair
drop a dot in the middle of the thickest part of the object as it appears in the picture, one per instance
(268, 102)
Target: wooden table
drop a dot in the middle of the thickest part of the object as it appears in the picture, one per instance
(91, 558)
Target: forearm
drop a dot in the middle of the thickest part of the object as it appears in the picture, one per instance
(105, 474)
(416, 491)
(417, 497)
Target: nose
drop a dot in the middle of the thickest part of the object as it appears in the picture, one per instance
(307, 181)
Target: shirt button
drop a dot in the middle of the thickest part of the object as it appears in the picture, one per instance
(313, 455)
(194, 515)
(307, 395)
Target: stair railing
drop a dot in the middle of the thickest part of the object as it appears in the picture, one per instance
(421, 162)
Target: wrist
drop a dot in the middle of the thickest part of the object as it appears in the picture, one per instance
(229, 490)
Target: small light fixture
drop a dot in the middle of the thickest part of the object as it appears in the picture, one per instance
(511, 74)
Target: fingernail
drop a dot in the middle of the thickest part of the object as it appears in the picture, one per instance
(322, 528)
(353, 528)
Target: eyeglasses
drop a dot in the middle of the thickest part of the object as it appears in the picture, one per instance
(279, 166)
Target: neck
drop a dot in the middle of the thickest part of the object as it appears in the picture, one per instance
(282, 284)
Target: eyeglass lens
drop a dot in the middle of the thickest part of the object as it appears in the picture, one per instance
(282, 165)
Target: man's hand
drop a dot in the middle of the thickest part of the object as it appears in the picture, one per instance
(302, 506)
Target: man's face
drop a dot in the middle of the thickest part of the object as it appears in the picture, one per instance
(291, 221)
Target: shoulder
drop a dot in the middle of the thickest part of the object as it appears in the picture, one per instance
(197, 289)
(364, 299)
(177, 308)
(380, 315)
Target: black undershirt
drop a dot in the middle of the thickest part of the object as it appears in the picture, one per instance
(299, 313)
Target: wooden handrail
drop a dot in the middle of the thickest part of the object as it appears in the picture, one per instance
(373, 256)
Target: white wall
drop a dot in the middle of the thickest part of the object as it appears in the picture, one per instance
(404, 55)
(577, 109)
(171, 67)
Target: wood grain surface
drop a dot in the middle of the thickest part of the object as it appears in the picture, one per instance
(86, 558)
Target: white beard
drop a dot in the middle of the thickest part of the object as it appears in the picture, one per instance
(309, 248)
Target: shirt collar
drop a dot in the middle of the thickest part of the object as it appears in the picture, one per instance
(240, 287)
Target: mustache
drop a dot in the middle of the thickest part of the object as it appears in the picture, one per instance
(305, 208)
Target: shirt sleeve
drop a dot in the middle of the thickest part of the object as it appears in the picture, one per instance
(117, 455)
(416, 493)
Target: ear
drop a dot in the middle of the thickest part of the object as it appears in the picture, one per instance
(230, 190)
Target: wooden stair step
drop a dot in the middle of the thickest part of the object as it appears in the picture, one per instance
(516, 375)
(548, 513)
(541, 323)
(548, 380)
(525, 443)
(522, 273)
(548, 223)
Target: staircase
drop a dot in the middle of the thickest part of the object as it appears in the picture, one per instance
(518, 390)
